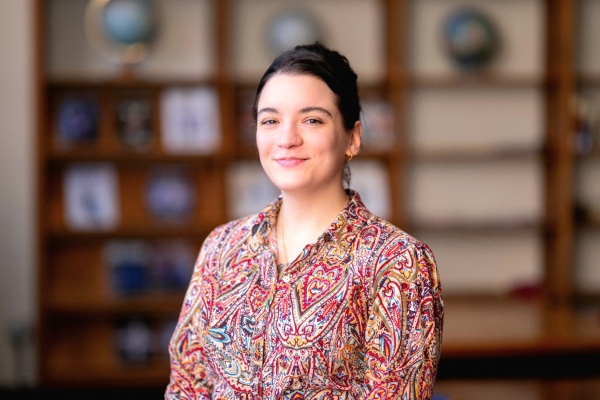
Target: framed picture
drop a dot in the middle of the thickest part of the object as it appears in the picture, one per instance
(134, 123)
(91, 196)
(135, 340)
(128, 262)
(378, 121)
(250, 189)
(190, 120)
(170, 193)
(172, 264)
(77, 120)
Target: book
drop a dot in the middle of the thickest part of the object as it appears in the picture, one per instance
(91, 196)
(190, 120)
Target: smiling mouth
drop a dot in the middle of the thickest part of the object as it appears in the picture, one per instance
(289, 161)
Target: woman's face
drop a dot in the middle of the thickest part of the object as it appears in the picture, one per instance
(300, 135)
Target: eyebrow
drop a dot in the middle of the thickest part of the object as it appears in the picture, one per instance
(321, 109)
(267, 109)
(302, 111)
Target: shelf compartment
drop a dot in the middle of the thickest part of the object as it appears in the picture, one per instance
(159, 303)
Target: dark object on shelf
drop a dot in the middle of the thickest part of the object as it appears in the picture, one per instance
(471, 38)
(134, 341)
(77, 120)
(165, 332)
(172, 264)
(378, 125)
(134, 123)
(170, 194)
(128, 261)
(246, 125)
(586, 131)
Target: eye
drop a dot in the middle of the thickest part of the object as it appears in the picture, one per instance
(268, 121)
(313, 121)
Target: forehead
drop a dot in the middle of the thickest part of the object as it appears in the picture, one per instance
(296, 90)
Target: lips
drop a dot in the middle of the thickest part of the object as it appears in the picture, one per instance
(289, 161)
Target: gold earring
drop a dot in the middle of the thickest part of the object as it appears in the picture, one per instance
(349, 157)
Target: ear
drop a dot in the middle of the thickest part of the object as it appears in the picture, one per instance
(355, 139)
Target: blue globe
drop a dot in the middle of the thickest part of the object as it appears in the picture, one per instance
(471, 38)
(129, 21)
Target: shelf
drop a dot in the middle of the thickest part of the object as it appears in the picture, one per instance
(443, 156)
(479, 228)
(165, 303)
(589, 226)
(85, 83)
(511, 349)
(593, 156)
(474, 80)
(588, 79)
(109, 375)
(63, 235)
(60, 158)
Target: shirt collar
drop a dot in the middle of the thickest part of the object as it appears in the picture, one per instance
(351, 218)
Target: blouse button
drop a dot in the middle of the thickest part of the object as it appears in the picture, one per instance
(286, 278)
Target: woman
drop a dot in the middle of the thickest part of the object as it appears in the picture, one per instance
(314, 297)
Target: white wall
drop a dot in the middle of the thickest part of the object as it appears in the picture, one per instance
(17, 185)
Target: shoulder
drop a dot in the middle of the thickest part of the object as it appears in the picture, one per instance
(392, 254)
(233, 230)
(385, 239)
(223, 239)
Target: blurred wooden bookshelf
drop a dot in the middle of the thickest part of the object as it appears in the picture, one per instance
(87, 311)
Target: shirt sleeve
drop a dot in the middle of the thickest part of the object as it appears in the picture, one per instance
(189, 380)
(404, 327)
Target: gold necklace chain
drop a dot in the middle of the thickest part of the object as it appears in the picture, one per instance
(283, 245)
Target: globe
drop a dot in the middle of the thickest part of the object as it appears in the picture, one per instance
(128, 21)
(292, 28)
(470, 37)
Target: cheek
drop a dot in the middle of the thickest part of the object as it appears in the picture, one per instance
(262, 143)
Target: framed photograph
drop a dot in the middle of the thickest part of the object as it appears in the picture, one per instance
(134, 123)
(170, 193)
(91, 196)
(190, 120)
(77, 121)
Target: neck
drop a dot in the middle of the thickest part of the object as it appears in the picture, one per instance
(311, 213)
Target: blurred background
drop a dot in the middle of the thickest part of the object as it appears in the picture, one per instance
(125, 137)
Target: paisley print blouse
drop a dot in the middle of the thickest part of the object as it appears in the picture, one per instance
(357, 315)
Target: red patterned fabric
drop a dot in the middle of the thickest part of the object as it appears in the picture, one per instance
(358, 315)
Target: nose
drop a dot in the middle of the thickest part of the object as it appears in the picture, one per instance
(290, 136)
